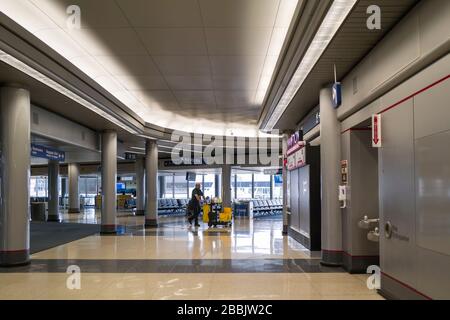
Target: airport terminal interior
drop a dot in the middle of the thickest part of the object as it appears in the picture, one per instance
(224, 149)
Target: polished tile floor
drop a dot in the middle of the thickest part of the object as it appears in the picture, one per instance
(252, 260)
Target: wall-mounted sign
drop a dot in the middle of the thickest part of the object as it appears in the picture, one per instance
(295, 143)
(294, 140)
(290, 162)
(337, 94)
(376, 131)
(130, 156)
(278, 179)
(297, 159)
(273, 171)
(47, 153)
(186, 162)
(126, 179)
(344, 172)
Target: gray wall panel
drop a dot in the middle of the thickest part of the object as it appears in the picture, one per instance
(362, 199)
(346, 213)
(363, 178)
(397, 199)
(421, 38)
(304, 203)
(433, 269)
(432, 111)
(433, 192)
(295, 223)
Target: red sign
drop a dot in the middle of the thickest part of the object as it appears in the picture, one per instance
(376, 130)
(297, 159)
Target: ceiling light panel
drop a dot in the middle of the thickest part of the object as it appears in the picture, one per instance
(336, 15)
(185, 48)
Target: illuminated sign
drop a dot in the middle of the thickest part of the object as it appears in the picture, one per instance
(337, 94)
(47, 153)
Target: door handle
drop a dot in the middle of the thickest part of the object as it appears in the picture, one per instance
(388, 230)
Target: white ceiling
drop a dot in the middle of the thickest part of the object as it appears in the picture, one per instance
(202, 66)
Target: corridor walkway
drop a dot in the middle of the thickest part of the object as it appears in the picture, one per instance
(251, 261)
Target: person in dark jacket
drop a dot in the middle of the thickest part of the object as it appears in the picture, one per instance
(196, 198)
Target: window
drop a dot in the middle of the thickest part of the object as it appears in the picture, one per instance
(91, 187)
(262, 186)
(88, 187)
(62, 180)
(168, 186)
(209, 187)
(180, 186)
(233, 187)
(278, 186)
(198, 178)
(244, 186)
(38, 186)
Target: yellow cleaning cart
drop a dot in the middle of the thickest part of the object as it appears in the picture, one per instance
(213, 217)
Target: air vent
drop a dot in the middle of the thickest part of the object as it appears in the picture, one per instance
(355, 85)
(35, 118)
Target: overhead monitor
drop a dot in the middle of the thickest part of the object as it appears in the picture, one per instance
(190, 176)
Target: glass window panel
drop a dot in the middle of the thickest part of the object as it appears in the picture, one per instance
(41, 189)
(180, 187)
(168, 189)
(82, 186)
(233, 187)
(262, 186)
(209, 186)
(91, 186)
(33, 190)
(278, 186)
(244, 186)
(198, 178)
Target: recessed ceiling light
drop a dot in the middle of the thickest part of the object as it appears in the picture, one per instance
(335, 17)
(46, 21)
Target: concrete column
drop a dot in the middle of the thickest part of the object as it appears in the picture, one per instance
(14, 176)
(217, 186)
(162, 186)
(253, 187)
(285, 186)
(151, 172)
(53, 192)
(63, 189)
(74, 195)
(226, 186)
(109, 180)
(140, 183)
(330, 154)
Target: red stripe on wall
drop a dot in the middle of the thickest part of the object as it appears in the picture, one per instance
(415, 94)
(407, 286)
(356, 129)
(408, 97)
(14, 251)
(360, 257)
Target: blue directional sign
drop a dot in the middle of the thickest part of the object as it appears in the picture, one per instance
(47, 153)
(278, 179)
(337, 94)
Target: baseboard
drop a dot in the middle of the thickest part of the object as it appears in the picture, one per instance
(359, 264)
(303, 240)
(394, 289)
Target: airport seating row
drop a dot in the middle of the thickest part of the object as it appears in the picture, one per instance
(172, 206)
(267, 207)
(165, 206)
